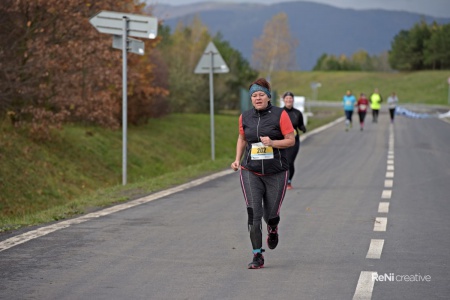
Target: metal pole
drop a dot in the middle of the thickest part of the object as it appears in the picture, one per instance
(124, 100)
(211, 104)
(448, 92)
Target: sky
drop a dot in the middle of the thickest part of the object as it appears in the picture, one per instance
(435, 8)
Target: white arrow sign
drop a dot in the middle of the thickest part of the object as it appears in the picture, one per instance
(218, 64)
(134, 45)
(138, 25)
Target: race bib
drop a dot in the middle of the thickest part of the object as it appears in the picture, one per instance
(259, 151)
(362, 107)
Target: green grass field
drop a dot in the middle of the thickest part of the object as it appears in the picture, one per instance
(426, 87)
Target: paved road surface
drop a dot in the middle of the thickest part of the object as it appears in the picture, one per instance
(366, 205)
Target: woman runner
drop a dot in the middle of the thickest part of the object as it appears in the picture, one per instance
(296, 117)
(265, 131)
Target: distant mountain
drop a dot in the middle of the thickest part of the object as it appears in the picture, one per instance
(319, 28)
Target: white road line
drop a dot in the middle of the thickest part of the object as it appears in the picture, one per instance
(386, 194)
(383, 207)
(389, 174)
(364, 287)
(388, 183)
(375, 249)
(380, 224)
(390, 157)
(390, 162)
(322, 128)
(390, 168)
(22, 238)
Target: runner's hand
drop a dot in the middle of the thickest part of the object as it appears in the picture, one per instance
(266, 140)
(235, 165)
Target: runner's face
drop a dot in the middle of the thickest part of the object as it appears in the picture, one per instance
(288, 101)
(260, 100)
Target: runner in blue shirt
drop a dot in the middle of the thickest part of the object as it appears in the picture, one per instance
(348, 101)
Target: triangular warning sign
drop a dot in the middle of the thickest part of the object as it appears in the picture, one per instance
(218, 64)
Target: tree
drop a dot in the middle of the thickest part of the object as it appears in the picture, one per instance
(57, 68)
(400, 52)
(275, 49)
(227, 92)
(437, 48)
(181, 51)
(320, 63)
(381, 62)
(189, 92)
(362, 61)
(419, 35)
(408, 48)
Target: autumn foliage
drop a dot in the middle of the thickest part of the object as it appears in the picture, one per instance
(275, 49)
(56, 67)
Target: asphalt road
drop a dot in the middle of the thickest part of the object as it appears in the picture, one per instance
(366, 206)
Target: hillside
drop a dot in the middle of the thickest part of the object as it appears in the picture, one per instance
(319, 28)
(426, 87)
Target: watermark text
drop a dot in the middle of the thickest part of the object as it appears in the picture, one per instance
(401, 278)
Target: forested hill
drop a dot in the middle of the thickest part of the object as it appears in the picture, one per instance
(319, 28)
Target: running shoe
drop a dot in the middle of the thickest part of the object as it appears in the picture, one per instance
(258, 261)
(272, 237)
(289, 186)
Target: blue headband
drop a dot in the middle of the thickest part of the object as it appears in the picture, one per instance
(256, 88)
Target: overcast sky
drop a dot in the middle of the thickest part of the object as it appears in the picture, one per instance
(436, 8)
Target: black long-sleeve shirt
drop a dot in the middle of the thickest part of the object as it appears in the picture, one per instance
(296, 117)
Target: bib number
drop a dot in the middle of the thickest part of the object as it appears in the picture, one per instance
(259, 151)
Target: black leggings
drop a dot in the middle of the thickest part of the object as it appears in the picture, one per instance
(375, 115)
(348, 115)
(392, 113)
(362, 116)
(263, 195)
(291, 155)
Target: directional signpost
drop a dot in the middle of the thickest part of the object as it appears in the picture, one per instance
(121, 26)
(211, 62)
(111, 22)
(314, 87)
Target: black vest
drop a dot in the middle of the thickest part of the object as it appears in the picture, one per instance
(266, 122)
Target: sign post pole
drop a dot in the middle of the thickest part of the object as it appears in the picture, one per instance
(211, 105)
(211, 62)
(448, 81)
(124, 101)
(122, 25)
